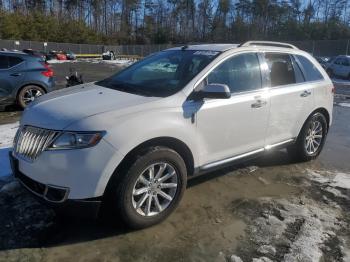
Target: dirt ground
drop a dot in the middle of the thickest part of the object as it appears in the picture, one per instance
(269, 209)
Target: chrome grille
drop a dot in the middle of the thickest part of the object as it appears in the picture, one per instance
(31, 141)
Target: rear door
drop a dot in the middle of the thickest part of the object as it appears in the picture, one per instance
(11, 74)
(291, 99)
(337, 66)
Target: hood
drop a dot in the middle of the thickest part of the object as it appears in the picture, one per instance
(61, 108)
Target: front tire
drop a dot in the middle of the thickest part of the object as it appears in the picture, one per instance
(151, 188)
(311, 139)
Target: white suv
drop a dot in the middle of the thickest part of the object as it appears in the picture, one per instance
(131, 141)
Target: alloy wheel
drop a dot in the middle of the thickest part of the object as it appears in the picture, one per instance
(155, 189)
(30, 94)
(314, 137)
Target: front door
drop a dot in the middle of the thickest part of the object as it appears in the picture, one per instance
(231, 127)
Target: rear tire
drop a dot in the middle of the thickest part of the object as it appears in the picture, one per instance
(311, 139)
(28, 94)
(138, 197)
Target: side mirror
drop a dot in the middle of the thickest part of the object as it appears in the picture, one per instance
(219, 91)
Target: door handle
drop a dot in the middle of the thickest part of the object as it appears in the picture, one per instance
(15, 74)
(305, 93)
(259, 103)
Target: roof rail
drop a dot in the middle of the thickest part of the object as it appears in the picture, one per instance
(268, 43)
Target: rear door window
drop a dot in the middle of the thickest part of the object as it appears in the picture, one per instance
(4, 64)
(338, 61)
(345, 62)
(309, 69)
(281, 69)
(13, 61)
(241, 73)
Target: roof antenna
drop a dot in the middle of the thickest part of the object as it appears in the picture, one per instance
(184, 47)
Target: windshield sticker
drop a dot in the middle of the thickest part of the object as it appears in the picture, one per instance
(206, 53)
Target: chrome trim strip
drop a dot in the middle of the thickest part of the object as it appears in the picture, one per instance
(268, 147)
(227, 160)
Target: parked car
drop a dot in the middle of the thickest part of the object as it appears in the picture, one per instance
(23, 78)
(56, 55)
(70, 55)
(131, 141)
(340, 67)
(61, 56)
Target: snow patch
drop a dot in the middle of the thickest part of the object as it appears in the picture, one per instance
(93, 61)
(331, 179)
(303, 228)
(344, 104)
(55, 61)
(7, 133)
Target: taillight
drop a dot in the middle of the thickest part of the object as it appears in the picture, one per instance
(48, 72)
(333, 89)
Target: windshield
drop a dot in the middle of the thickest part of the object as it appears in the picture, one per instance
(161, 74)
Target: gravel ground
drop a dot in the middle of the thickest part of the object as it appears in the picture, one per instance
(269, 209)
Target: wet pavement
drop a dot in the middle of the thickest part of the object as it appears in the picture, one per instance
(268, 209)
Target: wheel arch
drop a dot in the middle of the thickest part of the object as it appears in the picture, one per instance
(321, 110)
(173, 143)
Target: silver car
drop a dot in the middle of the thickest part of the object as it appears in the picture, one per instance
(340, 67)
(133, 140)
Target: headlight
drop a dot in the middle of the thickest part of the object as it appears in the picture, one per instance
(72, 140)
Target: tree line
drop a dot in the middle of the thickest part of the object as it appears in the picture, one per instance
(173, 21)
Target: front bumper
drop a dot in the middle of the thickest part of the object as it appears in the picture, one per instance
(56, 197)
(84, 172)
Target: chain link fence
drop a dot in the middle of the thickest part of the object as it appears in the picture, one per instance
(317, 48)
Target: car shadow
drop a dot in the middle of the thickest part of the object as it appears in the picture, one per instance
(25, 223)
(273, 158)
(11, 108)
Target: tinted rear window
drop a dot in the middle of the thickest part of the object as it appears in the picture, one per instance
(310, 71)
(13, 60)
(3, 62)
